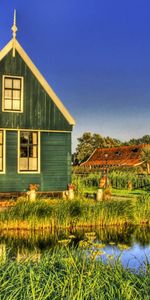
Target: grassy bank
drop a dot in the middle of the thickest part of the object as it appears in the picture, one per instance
(70, 274)
(79, 212)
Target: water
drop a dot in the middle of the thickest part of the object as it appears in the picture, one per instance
(131, 245)
(134, 258)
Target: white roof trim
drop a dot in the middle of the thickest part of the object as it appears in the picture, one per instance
(39, 77)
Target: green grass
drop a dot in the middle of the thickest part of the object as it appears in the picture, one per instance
(90, 189)
(79, 212)
(70, 274)
(117, 192)
(128, 193)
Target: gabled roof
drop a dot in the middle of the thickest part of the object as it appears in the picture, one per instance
(128, 156)
(14, 44)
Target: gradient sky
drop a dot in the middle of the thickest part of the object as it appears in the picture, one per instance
(96, 56)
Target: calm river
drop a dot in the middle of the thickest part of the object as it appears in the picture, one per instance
(130, 244)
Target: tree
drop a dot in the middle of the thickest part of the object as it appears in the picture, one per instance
(89, 142)
(84, 147)
(97, 141)
(143, 140)
(146, 157)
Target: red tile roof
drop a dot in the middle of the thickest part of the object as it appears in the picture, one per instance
(118, 156)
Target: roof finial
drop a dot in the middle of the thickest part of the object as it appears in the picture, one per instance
(14, 30)
(14, 27)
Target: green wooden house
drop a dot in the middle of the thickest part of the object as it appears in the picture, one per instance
(35, 127)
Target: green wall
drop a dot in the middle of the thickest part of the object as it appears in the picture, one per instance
(39, 111)
(55, 164)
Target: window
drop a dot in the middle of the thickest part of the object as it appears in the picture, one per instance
(135, 150)
(117, 153)
(2, 150)
(29, 153)
(12, 94)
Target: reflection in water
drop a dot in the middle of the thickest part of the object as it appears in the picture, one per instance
(142, 236)
(2, 252)
(23, 254)
(131, 244)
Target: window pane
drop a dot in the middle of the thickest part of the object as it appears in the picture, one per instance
(23, 151)
(33, 164)
(1, 164)
(33, 151)
(24, 137)
(8, 83)
(7, 104)
(34, 137)
(24, 164)
(16, 105)
(1, 137)
(16, 95)
(8, 94)
(17, 84)
(31, 137)
(1, 151)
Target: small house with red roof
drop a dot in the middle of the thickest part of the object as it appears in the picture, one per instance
(126, 156)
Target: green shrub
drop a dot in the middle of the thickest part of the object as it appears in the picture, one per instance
(76, 209)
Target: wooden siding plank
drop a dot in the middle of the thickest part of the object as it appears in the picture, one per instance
(56, 167)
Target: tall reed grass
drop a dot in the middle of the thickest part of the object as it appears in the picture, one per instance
(58, 213)
(117, 178)
(71, 274)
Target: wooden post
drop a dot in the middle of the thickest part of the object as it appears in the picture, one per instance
(70, 194)
(99, 195)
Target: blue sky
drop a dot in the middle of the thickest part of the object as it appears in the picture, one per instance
(96, 56)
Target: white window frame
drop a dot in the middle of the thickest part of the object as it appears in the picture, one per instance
(39, 152)
(4, 152)
(3, 94)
